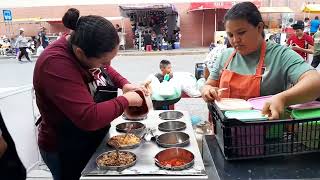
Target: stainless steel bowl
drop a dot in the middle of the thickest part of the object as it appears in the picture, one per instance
(134, 119)
(131, 146)
(116, 168)
(136, 128)
(171, 115)
(173, 139)
(175, 153)
(172, 126)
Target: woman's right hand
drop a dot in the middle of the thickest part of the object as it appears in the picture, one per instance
(210, 93)
(133, 98)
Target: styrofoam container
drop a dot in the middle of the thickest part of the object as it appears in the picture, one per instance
(226, 104)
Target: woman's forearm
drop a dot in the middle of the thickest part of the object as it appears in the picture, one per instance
(212, 82)
(307, 89)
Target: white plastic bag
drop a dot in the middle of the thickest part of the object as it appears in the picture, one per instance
(39, 50)
(166, 89)
(188, 83)
(163, 91)
(200, 83)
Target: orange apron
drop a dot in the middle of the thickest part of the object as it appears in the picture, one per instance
(242, 86)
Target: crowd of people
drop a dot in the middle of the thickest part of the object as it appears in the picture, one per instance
(151, 31)
(23, 46)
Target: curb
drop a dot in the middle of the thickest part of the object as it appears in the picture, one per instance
(161, 53)
(139, 53)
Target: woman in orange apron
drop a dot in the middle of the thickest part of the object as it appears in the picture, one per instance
(244, 27)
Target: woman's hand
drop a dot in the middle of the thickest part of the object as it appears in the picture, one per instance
(133, 98)
(133, 87)
(274, 107)
(210, 93)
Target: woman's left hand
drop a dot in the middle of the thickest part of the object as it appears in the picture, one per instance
(133, 87)
(274, 107)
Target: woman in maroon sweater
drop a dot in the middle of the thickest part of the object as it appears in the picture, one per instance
(76, 93)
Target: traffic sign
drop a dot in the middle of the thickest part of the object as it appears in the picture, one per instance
(7, 15)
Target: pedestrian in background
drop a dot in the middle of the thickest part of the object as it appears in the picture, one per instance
(22, 44)
(301, 42)
(306, 25)
(44, 40)
(316, 49)
(314, 25)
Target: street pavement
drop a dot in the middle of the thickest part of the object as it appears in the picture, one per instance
(134, 68)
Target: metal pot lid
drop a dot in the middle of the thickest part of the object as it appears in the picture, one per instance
(172, 126)
(173, 139)
(134, 119)
(137, 127)
(171, 115)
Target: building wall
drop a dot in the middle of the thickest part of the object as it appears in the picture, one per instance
(295, 5)
(190, 22)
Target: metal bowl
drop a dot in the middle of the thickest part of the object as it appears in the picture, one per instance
(124, 147)
(171, 115)
(116, 168)
(175, 153)
(134, 119)
(137, 127)
(173, 139)
(172, 126)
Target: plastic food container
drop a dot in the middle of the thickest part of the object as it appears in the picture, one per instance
(226, 104)
(305, 114)
(308, 105)
(247, 135)
(274, 131)
(258, 102)
(308, 132)
(245, 115)
(271, 132)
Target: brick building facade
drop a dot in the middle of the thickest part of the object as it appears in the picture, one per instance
(190, 22)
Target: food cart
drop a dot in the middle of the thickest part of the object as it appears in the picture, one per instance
(145, 167)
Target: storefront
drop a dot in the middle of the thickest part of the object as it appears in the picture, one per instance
(156, 22)
(218, 10)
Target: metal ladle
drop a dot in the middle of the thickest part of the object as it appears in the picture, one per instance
(128, 131)
(116, 145)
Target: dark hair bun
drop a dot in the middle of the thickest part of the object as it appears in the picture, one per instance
(70, 18)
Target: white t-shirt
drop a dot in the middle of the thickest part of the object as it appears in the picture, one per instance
(306, 27)
(213, 55)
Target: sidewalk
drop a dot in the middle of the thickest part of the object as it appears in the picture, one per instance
(134, 52)
(173, 52)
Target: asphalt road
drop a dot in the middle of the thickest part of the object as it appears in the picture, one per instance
(134, 68)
